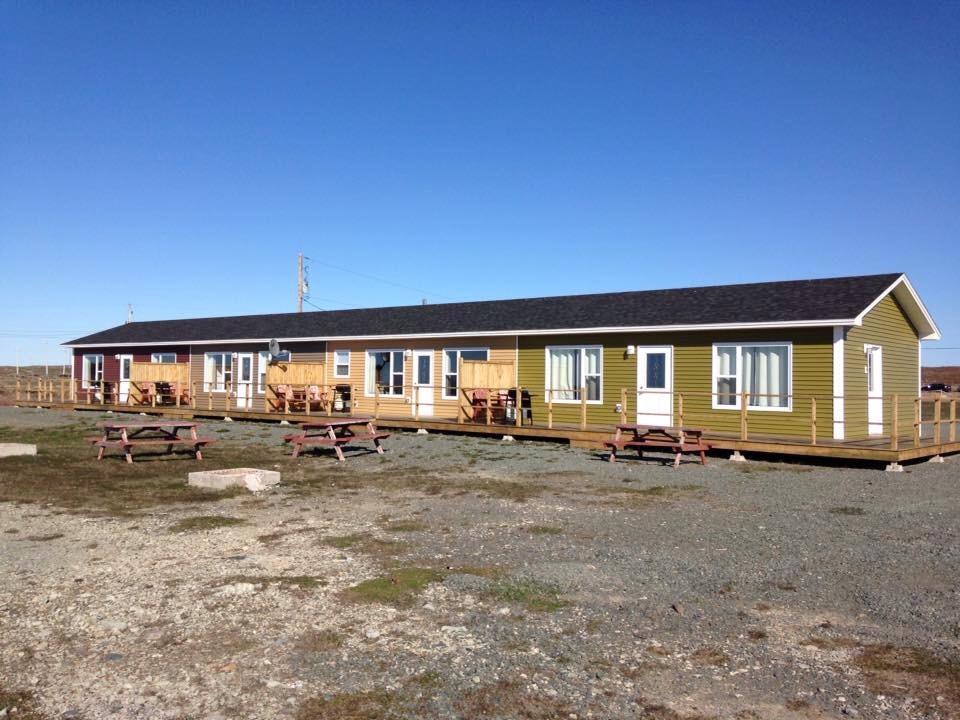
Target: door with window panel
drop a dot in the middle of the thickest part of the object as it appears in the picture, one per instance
(655, 385)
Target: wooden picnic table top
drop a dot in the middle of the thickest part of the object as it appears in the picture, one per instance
(146, 424)
(334, 422)
(659, 428)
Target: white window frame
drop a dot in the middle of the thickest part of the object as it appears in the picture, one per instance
(263, 360)
(548, 380)
(738, 394)
(368, 386)
(209, 385)
(456, 369)
(154, 358)
(97, 371)
(337, 363)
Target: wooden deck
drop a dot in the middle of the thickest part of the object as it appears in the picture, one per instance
(870, 450)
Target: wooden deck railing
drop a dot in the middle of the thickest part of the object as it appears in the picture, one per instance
(906, 419)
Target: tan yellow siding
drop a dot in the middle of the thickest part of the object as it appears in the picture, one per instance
(885, 325)
(502, 349)
(812, 373)
(301, 352)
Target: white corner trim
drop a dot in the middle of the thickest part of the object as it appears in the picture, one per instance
(838, 373)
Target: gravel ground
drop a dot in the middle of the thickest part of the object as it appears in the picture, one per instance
(516, 580)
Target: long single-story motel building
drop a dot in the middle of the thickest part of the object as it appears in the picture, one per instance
(819, 361)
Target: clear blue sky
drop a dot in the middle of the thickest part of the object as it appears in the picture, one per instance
(177, 156)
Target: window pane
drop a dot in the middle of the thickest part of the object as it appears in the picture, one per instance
(450, 385)
(726, 361)
(382, 361)
(591, 358)
(765, 376)
(473, 355)
(656, 371)
(565, 373)
(727, 391)
(593, 387)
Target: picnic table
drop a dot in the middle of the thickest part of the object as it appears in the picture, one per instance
(127, 435)
(336, 433)
(676, 440)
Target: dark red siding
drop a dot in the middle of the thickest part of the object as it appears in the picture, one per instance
(111, 364)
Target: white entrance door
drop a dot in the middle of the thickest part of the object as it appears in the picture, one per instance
(126, 365)
(244, 380)
(423, 382)
(874, 389)
(655, 385)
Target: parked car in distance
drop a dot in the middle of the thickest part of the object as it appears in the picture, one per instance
(937, 387)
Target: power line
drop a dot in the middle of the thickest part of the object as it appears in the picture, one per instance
(382, 280)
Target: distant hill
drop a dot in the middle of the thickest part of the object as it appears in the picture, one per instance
(944, 374)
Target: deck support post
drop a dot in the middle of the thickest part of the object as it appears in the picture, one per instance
(422, 431)
(549, 409)
(737, 457)
(895, 423)
(507, 438)
(894, 467)
(937, 437)
(936, 459)
(916, 421)
(583, 408)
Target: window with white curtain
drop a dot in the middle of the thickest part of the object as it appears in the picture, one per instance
(217, 371)
(384, 370)
(451, 366)
(163, 358)
(92, 370)
(762, 370)
(570, 368)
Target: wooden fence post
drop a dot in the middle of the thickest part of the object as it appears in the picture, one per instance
(813, 421)
(583, 408)
(226, 398)
(680, 409)
(917, 410)
(744, 430)
(306, 399)
(518, 406)
(376, 400)
(623, 406)
(18, 390)
(952, 432)
(415, 396)
(895, 423)
(937, 437)
(193, 395)
(489, 408)
(549, 409)
(62, 390)
(103, 396)
(331, 393)
(354, 399)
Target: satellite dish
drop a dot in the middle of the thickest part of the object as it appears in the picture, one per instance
(274, 347)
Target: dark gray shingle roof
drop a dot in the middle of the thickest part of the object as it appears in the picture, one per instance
(768, 302)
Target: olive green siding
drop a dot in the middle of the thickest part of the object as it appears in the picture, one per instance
(887, 326)
(812, 373)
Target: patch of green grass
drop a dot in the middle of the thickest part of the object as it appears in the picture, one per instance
(544, 529)
(399, 587)
(848, 510)
(43, 538)
(205, 522)
(532, 594)
(371, 705)
(319, 641)
(406, 526)
(426, 679)
(366, 544)
(915, 672)
(303, 582)
(484, 571)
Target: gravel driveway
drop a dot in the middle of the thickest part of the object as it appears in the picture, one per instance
(471, 578)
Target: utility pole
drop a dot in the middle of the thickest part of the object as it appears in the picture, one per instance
(300, 283)
(129, 313)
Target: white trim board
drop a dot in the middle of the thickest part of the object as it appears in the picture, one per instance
(839, 404)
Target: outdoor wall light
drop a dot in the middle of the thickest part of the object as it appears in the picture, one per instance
(631, 349)
(408, 353)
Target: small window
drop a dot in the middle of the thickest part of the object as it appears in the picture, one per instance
(451, 366)
(761, 370)
(341, 363)
(92, 370)
(571, 368)
(163, 358)
(384, 371)
(217, 372)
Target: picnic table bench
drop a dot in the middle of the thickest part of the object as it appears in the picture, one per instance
(676, 440)
(336, 434)
(127, 435)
